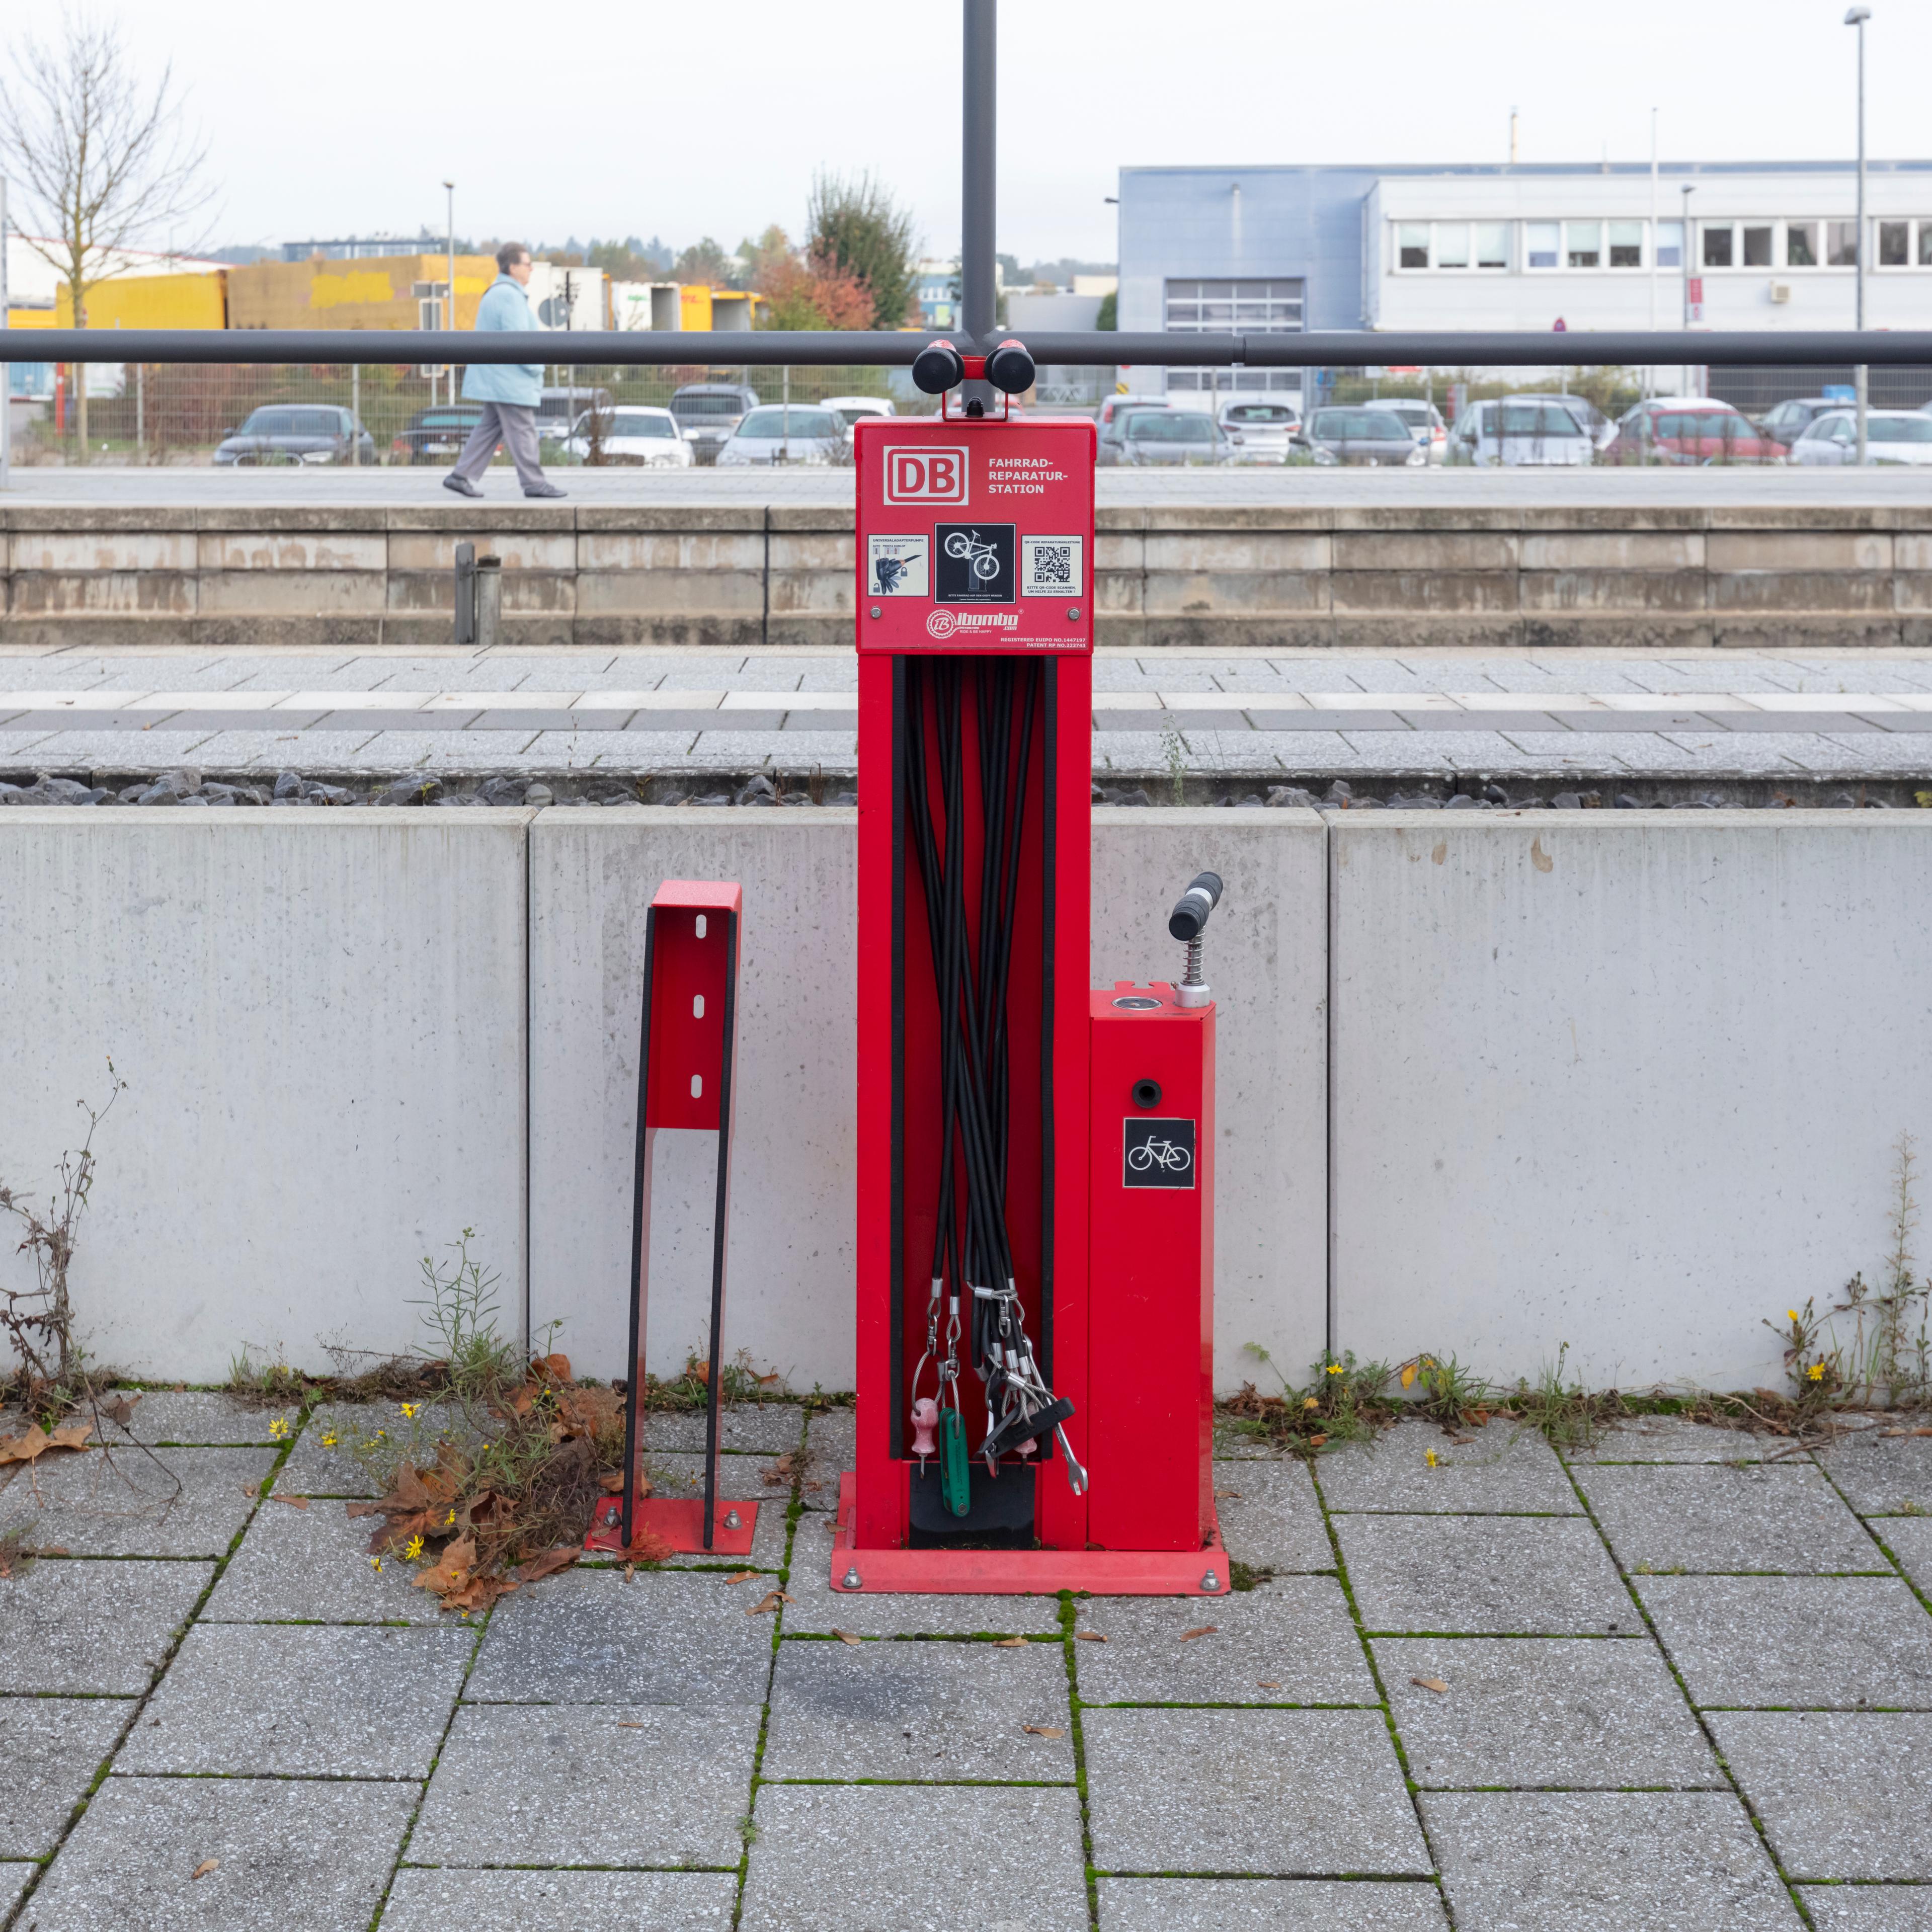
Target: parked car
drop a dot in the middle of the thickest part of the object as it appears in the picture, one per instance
(282, 433)
(558, 409)
(436, 435)
(1601, 430)
(1891, 436)
(708, 413)
(1789, 420)
(1367, 433)
(1425, 422)
(1115, 413)
(630, 434)
(1261, 432)
(1172, 436)
(1520, 432)
(785, 433)
(851, 408)
(1685, 429)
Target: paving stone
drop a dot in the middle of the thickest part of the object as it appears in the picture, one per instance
(1294, 1634)
(1612, 1861)
(1778, 1517)
(1574, 1712)
(310, 1856)
(312, 1566)
(820, 1608)
(1881, 1474)
(136, 1502)
(740, 1478)
(1488, 1576)
(1842, 1793)
(919, 1712)
(559, 1901)
(50, 1748)
(1504, 1468)
(762, 1428)
(316, 1467)
(197, 1416)
(296, 1700)
(831, 1448)
(1909, 1540)
(1233, 1443)
(1869, 1908)
(525, 1784)
(878, 1858)
(93, 1626)
(1269, 1516)
(667, 1637)
(1676, 1438)
(1266, 1905)
(1795, 1640)
(13, 1879)
(1302, 1792)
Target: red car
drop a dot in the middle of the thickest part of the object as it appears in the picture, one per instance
(1691, 430)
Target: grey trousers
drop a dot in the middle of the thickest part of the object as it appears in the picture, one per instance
(514, 426)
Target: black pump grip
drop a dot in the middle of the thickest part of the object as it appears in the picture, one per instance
(1191, 910)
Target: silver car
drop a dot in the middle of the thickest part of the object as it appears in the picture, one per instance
(1261, 432)
(1362, 434)
(1891, 436)
(1175, 436)
(785, 433)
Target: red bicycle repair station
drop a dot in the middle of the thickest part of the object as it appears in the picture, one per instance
(1035, 1161)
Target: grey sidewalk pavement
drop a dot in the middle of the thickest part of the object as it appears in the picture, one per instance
(1659, 1682)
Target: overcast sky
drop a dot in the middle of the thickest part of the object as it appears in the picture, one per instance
(612, 117)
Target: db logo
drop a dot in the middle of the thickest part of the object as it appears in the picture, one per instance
(940, 623)
(925, 475)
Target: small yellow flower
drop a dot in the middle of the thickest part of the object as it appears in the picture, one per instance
(1816, 1371)
(278, 1429)
(380, 1433)
(450, 1519)
(375, 1564)
(413, 1548)
(1429, 1455)
(329, 1441)
(1334, 1368)
(1792, 1312)
(409, 1409)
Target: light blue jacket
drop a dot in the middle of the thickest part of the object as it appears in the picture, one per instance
(504, 305)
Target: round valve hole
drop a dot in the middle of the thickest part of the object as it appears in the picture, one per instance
(1147, 1093)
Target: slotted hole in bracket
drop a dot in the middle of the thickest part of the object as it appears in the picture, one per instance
(701, 926)
(697, 1006)
(697, 1086)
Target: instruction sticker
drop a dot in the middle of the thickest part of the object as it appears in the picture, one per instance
(975, 563)
(1051, 566)
(896, 567)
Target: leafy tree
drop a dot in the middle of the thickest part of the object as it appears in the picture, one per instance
(858, 229)
(813, 295)
(754, 258)
(704, 261)
(1109, 316)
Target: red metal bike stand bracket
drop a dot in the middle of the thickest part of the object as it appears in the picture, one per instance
(1100, 1573)
(675, 1522)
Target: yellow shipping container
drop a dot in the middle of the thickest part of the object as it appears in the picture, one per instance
(377, 291)
(198, 301)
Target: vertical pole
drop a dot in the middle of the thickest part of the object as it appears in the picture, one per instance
(449, 320)
(140, 412)
(6, 369)
(356, 407)
(979, 173)
(1650, 375)
(1684, 249)
(1859, 376)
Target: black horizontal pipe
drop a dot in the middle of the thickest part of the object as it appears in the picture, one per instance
(851, 348)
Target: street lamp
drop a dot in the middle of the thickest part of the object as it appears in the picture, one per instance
(1857, 17)
(449, 316)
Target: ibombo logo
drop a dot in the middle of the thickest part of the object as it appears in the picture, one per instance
(940, 623)
(925, 475)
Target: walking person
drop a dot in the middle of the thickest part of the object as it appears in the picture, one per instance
(509, 391)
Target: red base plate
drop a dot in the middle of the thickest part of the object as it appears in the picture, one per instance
(678, 1521)
(1102, 1573)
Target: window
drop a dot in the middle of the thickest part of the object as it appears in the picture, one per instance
(1493, 249)
(1718, 246)
(1411, 243)
(1626, 245)
(1757, 248)
(1894, 244)
(1541, 240)
(1266, 306)
(1841, 244)
(1452, 245)
(1670, 244)
(1925, 244)
(1898, 429)
(1801, 244)
(1584, 243)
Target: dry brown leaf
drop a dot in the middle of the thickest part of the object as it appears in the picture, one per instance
(1316, 1441)
(451, 1569)
(611, 1481)
(766, 1382)
(548, 1563)
(1088, 1637)
(1435, 1684)
(770, 1600)
(206, 1866)
(1011, 1643)
(120, 1407)
(699, 1371)
(1267, 1684)
(629, 1724)
(847, 1636)
(36, 1442)
(557, 1367)
(1042, 1730)
(293, 1502)
(741, 1576)
(1205, 1630)
(780, 1471)
(1219, 1493)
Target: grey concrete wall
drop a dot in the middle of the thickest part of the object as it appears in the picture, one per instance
(752, 575)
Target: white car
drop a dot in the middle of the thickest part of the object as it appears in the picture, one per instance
(782, 433)
(1424, 419)
(1520, 432)
(1260, 432)
(633, 436)
(851, 408)
(1891, 436)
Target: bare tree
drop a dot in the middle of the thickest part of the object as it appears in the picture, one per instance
(102, 160)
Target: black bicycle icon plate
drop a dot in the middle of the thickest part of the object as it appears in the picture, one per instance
(1157, 1153)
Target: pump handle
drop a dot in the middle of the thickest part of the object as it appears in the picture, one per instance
(1189, 915)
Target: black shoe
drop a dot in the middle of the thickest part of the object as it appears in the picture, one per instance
(461, 485)
(546, 490)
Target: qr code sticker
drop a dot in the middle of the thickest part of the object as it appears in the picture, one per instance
(1051, 567)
